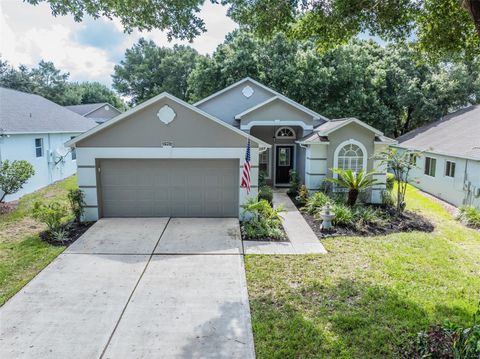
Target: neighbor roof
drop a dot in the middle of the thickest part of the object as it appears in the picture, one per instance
(86, 108)
(273, 92)
(22, 112)
(456, 134)
(152, 101)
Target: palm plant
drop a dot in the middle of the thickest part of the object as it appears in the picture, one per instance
(354, 182)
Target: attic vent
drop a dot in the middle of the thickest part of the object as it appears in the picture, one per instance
(247, 91)
(166, 114)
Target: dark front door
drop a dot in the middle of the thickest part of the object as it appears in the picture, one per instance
(283, 164)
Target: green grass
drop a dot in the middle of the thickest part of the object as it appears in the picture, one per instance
(22, 253)
(368, 295)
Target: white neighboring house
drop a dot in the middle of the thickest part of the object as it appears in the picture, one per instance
(99, 112)
(449, 167)
(35, 129)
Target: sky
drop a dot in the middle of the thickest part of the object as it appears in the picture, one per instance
(88, 50)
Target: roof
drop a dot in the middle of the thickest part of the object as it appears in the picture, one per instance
(333, 125)
(151, 101)
(277, 98)
(22, 112)
(85, 109)
(273, 92)
(313, 137)
(456, 134)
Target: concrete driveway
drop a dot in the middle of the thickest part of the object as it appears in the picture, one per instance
(137, 288)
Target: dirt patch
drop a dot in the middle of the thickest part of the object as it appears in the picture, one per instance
(72, 231)
(8, 207)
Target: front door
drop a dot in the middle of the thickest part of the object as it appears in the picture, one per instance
(283, 164)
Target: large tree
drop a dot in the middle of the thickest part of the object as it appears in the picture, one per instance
(442, 27)
(148, 70)
(48, 81)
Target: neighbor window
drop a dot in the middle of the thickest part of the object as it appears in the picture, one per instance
(350, 157)
(264, 162)
(39, 147)
(450, 169)
(430, 166)
(74, 153)
(413, 159)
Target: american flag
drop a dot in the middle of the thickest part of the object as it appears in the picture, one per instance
(246, 169)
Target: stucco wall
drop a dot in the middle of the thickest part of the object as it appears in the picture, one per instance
(22, 147)
(232, 102)
(144, 129)
(447, 188)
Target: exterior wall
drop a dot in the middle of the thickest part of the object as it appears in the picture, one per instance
(232, 102)
(277, 111)
(315, 165)
(452, 190)
(104, 113)
(87, 172)
(22, 147)
(144, 129)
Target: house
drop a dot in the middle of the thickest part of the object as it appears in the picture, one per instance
(449, 166)
(98, 112)
(35, 129)
(166, 157)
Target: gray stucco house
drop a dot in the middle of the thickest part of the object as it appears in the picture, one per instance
(449, 166)
(98, 112)
(166, 157)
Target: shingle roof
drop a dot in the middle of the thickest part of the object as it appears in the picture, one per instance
(24, 113)
(457, 134)
(86, 108)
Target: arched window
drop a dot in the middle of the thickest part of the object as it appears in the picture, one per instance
(285, 132)
(350, 156)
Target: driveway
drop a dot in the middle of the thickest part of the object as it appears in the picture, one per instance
(137, 288)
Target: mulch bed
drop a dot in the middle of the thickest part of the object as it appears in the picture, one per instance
(263, 239)
(73, 231)
(406, 222)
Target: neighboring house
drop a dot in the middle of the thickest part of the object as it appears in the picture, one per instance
(98, 112)
(166, 157)
(449, 166)
(35, 129)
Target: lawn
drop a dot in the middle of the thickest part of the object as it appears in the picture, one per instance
(368, 295)
(22, 253)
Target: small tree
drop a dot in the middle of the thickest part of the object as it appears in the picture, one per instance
(400, 163)
(354, 182)
(13, 176)
(76, 198)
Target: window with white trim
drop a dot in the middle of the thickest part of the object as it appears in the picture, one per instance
(39, 147)
(351, 157)
(450, 169)
(264, 162)
(285, 133)
(430, 166)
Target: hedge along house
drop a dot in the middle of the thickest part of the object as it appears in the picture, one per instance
(166, 157)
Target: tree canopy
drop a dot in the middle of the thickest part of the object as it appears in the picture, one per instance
(148, 70)
(53, 84)
(441, 28)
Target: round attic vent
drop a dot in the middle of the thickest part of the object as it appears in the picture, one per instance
(166, 114)
(247, 91)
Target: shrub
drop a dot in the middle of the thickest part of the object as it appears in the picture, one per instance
(390, 181)
(303, 194)
(13, 175)
(262, 178)
(264, 221)
(343, 215)
(266, 193)
(315, 202)
(387, 198)
(354, 182)
(367, 215)
(52, 215)
(76, 198)
(470, 216)
(294, 183)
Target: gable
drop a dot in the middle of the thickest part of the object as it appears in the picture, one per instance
(105, 111)
(277, 110)
(143, 128)
(229, 103)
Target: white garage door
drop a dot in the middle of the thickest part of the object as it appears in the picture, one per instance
(168, 188)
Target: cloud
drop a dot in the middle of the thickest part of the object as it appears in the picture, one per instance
(90, 49)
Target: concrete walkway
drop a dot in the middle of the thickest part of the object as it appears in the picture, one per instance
(302, 238)
(137, 288)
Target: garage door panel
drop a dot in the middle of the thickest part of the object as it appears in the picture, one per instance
(169, 188)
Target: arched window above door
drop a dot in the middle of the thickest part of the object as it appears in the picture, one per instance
(285, 133)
